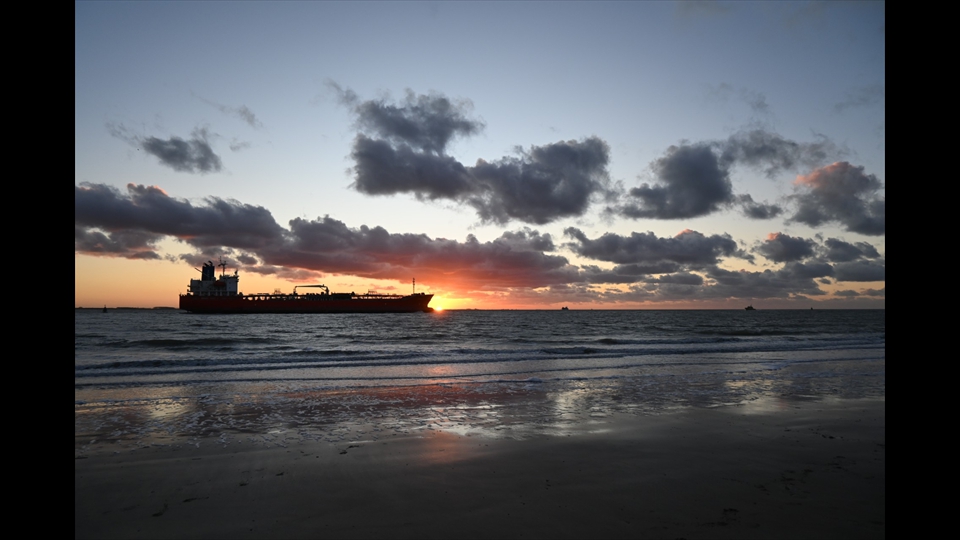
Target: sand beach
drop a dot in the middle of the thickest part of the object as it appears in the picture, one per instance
(774, 468)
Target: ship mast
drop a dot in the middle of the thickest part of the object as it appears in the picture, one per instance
(414, 285)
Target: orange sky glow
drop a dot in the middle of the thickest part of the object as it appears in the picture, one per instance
(112, 282)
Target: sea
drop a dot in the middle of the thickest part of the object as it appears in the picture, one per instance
(146, 377)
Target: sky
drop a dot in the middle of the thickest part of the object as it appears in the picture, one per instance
(505, 155)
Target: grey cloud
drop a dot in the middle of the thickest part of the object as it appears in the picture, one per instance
(754, 210)
(720, 284)
(425, 122)
(402, 150)
(688, 247)
(626, 273)
(681, 278)
(860, 271)
(146, 214)
(149, 209)
(808, 270)
(842, 193)
(691, 183)
(678, 291)
(193, 156)
(547, 183)
(126, 244)
(840, 251)
(765, 284)
(382, 169)
(849, 293)
(246, 259)
(131, 224)
(774, 154)
(694, 179)
(247, 116)
(780, 247)
(516, 259)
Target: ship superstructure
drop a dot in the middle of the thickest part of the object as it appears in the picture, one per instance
(210, 285)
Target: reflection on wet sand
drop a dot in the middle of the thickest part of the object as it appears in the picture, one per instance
(265, 414)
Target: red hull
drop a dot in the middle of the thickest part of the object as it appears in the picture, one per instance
(305, 304)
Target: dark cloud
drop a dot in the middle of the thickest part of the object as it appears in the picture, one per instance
(754, 210)
(780, 247)
(247, 260)
(516, 259)
(840, 251)
(681, 278)
(626, 273)
(861, 271)
(519, 262)
(385, 169)
(687, 248)
(847, 293)
(543, 184)
(126, 244)
(808, 270)
(285, 273)
(842, 193)
(783, 283)
(773, 154)
(193, 156)
(719, 285)
(690, 182)
(425, 122)
(249, 234)
(149, 209)
(402, 149)
(694, 179)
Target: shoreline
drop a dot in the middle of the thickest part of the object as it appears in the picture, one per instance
(782, 469)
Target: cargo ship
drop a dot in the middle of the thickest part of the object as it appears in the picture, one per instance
(212, 294)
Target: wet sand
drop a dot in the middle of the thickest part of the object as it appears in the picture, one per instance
(803, 469)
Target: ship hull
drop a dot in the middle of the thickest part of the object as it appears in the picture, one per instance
(304, 304)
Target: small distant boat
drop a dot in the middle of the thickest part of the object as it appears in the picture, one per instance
(564, 308)
(104, 308)
(750, 308)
